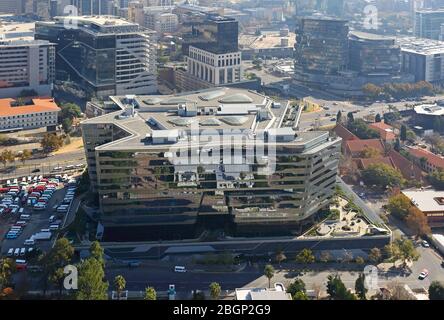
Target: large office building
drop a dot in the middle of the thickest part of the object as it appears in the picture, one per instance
(25, 63)
(212, 53)
(427, 23)
(329, 57)
(160, 19)
(220, 153)
(374, 55)
(10, 6)
(321, 49)
(423, 58)
(105, 55)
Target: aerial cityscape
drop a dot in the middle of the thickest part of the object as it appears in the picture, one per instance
(229, 150)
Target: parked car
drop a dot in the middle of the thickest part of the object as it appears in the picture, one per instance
(424, 274)
(425, 244)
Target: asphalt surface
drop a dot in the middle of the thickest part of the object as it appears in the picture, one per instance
(46, 165)
(39, 220)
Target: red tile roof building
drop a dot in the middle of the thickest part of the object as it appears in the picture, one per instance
(432, 161)
(27, 113)
(386, 132)
(354, 148)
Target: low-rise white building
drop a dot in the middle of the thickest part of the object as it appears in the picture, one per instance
(27, 113)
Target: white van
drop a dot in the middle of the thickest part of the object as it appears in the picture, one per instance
(54, 227)
(29, 242)
(180, 269)
(25, 217)
(22, 251)
(17, 252)
(10, 252)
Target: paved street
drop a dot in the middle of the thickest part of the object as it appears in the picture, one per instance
(252, 276)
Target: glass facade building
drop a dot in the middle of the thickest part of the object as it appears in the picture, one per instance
(374, 54)
(137, 164)
(105, 55)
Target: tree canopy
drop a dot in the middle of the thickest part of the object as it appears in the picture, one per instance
(382, 175)
(337, 290)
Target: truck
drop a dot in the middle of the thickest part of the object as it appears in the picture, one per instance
(41, 236)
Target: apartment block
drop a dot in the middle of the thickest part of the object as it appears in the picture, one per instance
(25, 63)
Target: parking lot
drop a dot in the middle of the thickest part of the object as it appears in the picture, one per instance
(41, 213)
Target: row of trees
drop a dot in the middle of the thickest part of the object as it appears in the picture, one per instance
(399, 90)
(401, 207)
(8, 156)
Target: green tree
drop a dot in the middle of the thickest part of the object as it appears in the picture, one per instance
(269, 273)
(339, 117)
(295, 287)
(55, 261)
(70, 111)
(406, 251)
(97, 252)
(382, 175)
(280, 256)
(215, 290)
(119, 285)
(397, 145)
(403, 134)
(436, 291)
(24, 155)
(337, 290)
(359, 260)
(360, 289)
(6, 156)
(51, 142)
(350, 117)
(305, 256)
(7, 267)
(436, 178)
(150, 294)
(417, 222)
(399, 205)
(375, 255)
(378, 118)
(67, 125)
(300, 296)
(91, 284)
(28, 93)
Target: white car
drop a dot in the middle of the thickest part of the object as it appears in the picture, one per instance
(424, 274)
(425, 244)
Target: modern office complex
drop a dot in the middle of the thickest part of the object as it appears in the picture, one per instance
(423, 58)
(25, 63)
(427, 23)
(106, 55)
(327, 56)
(321, 49)
(212, 53)
(28, 113)
(374, 55)
(220, 153)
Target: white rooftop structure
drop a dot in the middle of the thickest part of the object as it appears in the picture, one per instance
(261, 294)
(430, 109)
(420, 45)
(426, 200)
